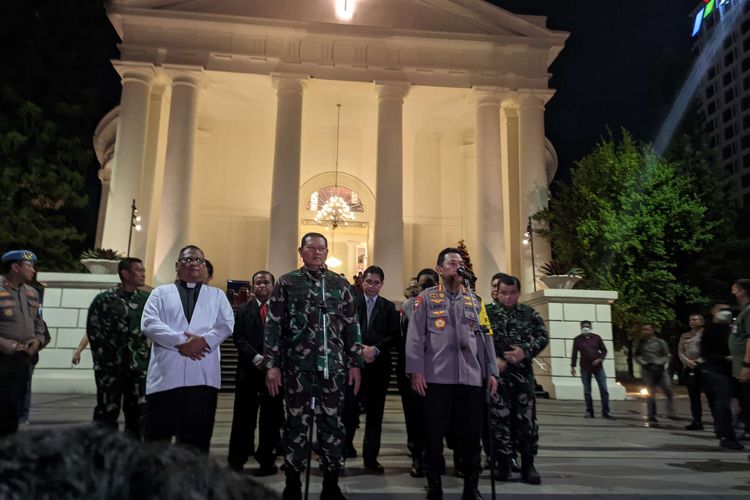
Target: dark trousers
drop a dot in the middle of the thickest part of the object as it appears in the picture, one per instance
(461, 406)
(413, 407)
(718, 388)
(693, 381)
(601, 381)
(115, 389)
(14, 375)
(654, 377)
(375, 378)
(186, 413)
(250, 395)
(744, 399)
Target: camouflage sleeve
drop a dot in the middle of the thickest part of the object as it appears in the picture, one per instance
(94, 325)
(415, 337)
(351, 333)
(538, 336)
(275, 321)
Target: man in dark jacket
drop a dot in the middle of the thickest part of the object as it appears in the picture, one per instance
(379, 326)
(250, 389)
(593, 351)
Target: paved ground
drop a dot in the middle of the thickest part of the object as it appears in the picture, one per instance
(578, 457)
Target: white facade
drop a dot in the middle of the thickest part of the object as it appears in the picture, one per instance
(227, 126)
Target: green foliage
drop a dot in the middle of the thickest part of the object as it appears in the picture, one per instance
(559, 268)
(102, 253)
(626, 218)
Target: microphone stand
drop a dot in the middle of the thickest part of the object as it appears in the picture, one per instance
(490, 368)
(323, 320)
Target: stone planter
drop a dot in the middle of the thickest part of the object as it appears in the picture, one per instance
(560, 281)
(100, 266)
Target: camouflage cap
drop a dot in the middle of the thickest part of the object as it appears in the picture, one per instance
(16, 255)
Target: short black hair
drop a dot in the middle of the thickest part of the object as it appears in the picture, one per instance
(696, 314)
(509, 280)
(497, 276)
(252, 280)
(585, 322)
(189, 247)
(743, 283)
(430, 272)
(312, 235)
(209, 268)
(444, 252)
(374, 270)
(126, 264)
(648, 324)
(7, 264)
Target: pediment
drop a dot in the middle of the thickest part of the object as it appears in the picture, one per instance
(460, 17)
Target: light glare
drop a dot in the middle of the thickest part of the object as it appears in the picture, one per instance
(344, 10)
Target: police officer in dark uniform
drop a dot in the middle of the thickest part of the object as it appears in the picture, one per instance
(22, 333)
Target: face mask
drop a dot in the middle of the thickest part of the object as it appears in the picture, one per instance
(724, 316)
(586, 330)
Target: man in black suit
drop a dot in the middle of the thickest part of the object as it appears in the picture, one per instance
(379, 324)
(250, 390)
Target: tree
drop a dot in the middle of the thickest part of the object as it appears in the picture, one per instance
(625, 219)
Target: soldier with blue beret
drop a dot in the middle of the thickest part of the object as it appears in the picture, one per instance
(22, 333)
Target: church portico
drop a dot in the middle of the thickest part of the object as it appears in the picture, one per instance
(232, 110)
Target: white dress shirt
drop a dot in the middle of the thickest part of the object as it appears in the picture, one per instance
(164, 322)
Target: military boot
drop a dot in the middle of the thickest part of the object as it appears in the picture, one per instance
(331, 490)
(501, 470)
(434, 487)
(471, 487)
(293, 488)
(528, 472)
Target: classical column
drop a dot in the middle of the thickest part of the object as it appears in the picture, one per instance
(509, 147)
(533, 179)
(388, 241)
(130, 145)
(283, 234)
(176, 203)
(105, 176)
(488, 252)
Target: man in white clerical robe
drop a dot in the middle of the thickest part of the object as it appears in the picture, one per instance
(187, 321)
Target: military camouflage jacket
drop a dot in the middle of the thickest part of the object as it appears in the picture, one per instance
(519, 325)
(294, 323)
(113, 327)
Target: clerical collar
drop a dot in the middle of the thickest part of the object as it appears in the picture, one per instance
(186, 284)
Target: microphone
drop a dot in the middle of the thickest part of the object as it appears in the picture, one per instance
(466, 274)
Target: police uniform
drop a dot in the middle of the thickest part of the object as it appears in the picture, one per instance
(443, 345)
(513, 407)
(20, 322)
(120, 354)
(294, 342)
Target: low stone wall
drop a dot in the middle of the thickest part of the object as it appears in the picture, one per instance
(563, 310)
(67, 298)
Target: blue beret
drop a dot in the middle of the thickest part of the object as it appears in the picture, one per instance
(15, 255)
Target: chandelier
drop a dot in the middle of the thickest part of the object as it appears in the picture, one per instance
(335, 211)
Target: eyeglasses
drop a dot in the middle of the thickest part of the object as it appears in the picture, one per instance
(191, 260)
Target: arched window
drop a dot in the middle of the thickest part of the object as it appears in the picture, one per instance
(321, 196)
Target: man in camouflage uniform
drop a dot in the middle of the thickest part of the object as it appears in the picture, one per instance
(22, 334)
(119, 351)
(519, 335)
(314, 359)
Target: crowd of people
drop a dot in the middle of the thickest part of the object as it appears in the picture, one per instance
(315, 350)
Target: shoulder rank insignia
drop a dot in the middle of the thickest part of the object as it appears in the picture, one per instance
(418, 302)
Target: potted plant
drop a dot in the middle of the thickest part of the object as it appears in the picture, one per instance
(558, 274)
(101, 260)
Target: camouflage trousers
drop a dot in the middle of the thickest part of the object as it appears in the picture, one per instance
(513, 423)
(299, 387)
(120, 389)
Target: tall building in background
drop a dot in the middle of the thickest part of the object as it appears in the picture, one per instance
(725, 91)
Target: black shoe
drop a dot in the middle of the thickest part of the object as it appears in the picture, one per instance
(471, 488)
(514, 465)
(529, 474)
(501, 470)
(266, 470)
(416, 470)
(694, 426)
(349, 451)
(653, 420)
(607, 416)
(589, 414)
(293, 488)
(331, 490)
(374, 467)
(434, 488)
(730, 444)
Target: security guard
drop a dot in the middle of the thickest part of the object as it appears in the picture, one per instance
(21, 333)
(312, 334)
(119, 350)
(519, 335)
(445, 356)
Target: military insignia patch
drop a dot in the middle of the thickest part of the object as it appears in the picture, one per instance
(433, 295)
(4, 294)
(440, 323)
(8, 312)
(418, 301)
